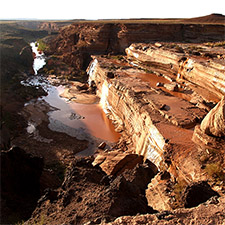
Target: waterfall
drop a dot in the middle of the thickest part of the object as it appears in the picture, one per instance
(91, 71)
(39, 60)
(104, 97)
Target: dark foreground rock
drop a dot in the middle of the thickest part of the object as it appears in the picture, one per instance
(88, 194)
(20, 184)
(211, 212)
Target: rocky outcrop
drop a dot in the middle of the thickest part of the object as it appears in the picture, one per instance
(212, 211)
(20, 184)
(114, 163)
(210, 134)
(49, 26)
(16, 56)
(88, 194)
(214, 123)
(77, 42)
(146, 113)
(158, 193)
(183, 61)
(147, 99)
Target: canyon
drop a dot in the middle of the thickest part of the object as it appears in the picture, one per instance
(162, 84)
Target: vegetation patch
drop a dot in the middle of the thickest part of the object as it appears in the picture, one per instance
(178, 190)
(42, 46)
(215, 170)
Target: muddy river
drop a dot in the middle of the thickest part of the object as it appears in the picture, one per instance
(80, 120)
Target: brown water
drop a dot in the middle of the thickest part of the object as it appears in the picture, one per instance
(78, 119)
(154, 79)
(83, 121)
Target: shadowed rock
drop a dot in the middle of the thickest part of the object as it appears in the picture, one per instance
(20, 184)
(197, 193)
(114, 163)
(87, 194)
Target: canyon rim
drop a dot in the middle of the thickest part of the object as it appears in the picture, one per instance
(124, 123)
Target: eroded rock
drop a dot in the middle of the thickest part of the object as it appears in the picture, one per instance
(158, 194)
(114, 163)
(89, 195)
(171, 87)
(203, 214)
(214, 122)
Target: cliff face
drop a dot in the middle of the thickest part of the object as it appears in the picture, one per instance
(203, 67)
(146, 113)
(77, 42)
(16, 55)
(148, 97)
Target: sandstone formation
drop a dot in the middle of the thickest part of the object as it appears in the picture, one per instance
(114, 163)
(146, 95)
(185, 61)
(77, 42)
(209, 135)
(146, 112)
(159, 195)
(214, 123)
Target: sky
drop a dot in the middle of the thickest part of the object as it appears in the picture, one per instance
(103, 9)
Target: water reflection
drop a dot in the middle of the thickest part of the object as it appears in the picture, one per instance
(85, 118)
(83, 121)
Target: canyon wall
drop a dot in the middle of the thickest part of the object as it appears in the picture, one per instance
(205, 70)
(77, 42)
(154, 120)
(158, 108)
(157, 99)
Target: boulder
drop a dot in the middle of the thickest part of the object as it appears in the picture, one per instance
(102, 145)
(114, 163)
(214, 122)
(158, 194)
(171, 86)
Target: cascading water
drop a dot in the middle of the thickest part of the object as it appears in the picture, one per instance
(91, 71)
(39, 59)
(80, 120)
(104, 96)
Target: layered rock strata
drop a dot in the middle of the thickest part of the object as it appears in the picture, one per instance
(75, 43)
(146, 97)
(154, 119)
(202, 66)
